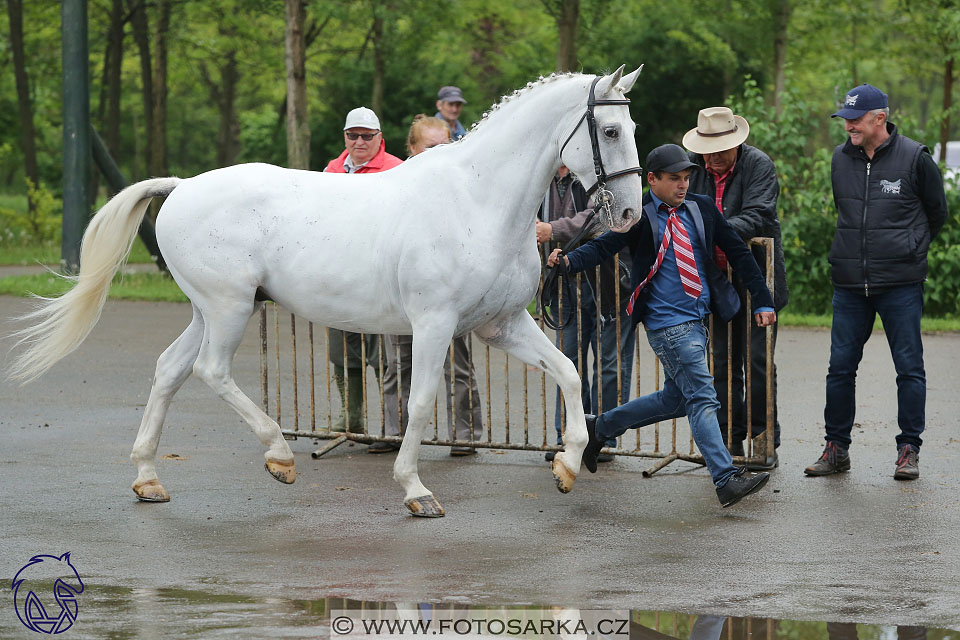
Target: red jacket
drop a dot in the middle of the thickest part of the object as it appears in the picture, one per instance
(380, 162)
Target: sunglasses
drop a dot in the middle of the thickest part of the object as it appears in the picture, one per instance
(366, 136)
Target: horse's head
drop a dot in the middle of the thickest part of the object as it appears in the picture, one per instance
(602, 151)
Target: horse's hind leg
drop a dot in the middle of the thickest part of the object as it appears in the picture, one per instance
(520, 336)
(173, 368)
(223, 331)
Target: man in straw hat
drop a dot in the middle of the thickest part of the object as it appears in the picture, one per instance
(676, 286)
(742, 181)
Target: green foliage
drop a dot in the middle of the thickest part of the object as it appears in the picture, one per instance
(942, 292)
(38, 222)
(807, 214)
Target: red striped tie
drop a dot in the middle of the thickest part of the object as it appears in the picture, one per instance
(682, 251)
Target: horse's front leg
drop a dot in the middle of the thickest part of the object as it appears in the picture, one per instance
(520, 336)
(430, 344)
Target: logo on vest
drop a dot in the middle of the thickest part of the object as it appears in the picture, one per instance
(890, 187)
(851, 100)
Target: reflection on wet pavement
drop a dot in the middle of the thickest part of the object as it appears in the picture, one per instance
(121, 612)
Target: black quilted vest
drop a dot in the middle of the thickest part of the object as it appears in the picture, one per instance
(882, 232)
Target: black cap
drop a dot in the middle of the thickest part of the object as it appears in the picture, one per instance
(859, 100)
(668, 157)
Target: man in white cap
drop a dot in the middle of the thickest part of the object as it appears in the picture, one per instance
(742, 182)
(449, 105)
(365, 149)
(365, 152)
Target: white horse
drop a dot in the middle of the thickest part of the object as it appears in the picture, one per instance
(438, 247)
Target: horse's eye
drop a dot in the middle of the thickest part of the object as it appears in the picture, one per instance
(611, 132)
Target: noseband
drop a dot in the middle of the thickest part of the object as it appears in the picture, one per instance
(604, 199)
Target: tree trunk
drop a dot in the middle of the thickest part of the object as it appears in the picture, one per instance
(158, 132)
(141, 35)
(781, 22)
(27, 135)
(379, 66)
(108, 111)
(947, 103)
(228, 144)
(298, 125)
(568, 20)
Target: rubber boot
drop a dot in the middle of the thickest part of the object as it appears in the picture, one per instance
(355, 400)
(339, 423)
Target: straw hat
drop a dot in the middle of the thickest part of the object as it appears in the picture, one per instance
(717, 130)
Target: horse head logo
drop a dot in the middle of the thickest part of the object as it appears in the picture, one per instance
(46, 573)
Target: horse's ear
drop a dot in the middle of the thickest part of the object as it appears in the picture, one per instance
(627, 82)
(607, 84)
(65, 557)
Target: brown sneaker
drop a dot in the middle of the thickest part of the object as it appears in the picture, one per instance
(908, 463)
(834, 459)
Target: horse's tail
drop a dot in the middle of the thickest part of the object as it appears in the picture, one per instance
(62, 324)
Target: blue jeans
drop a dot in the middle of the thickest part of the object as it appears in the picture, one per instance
(570, 338)
(687, 391)
(900, 309)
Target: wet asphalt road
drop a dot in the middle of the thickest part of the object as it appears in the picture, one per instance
(858, 547)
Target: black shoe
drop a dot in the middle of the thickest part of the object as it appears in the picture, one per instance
(908, 463)
(605, 457)
(591, 455)
(740, 485)
(458, 452)
(549, 456)
(834, 459)
(383, 447)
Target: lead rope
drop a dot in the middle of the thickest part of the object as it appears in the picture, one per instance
(561, 269)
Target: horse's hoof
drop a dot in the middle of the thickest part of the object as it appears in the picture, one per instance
(562, 475)
(285, 472)
(151, 491)
(425, 507)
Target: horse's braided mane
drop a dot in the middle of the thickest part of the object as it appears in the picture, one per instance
(510, 97)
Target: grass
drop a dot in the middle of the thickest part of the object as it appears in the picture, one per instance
(788, 319)
(156, 287)
(49, 253)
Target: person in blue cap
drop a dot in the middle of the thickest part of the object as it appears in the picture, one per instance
(890, 204)
(676, 285)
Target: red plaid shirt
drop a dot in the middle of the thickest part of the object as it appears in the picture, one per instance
(720, 183)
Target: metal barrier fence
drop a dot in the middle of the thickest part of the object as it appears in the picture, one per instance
(517, 400)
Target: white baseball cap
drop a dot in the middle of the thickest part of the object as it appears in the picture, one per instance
(362, 117)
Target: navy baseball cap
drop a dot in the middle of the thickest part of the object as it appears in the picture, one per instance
(668, 157)
(859, 100)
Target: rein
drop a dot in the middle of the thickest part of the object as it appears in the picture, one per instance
(603, 201)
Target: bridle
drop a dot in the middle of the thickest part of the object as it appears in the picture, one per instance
(604, 199)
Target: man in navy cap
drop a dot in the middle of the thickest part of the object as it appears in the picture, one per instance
(449, 105)
(890, 203)
(676, 285)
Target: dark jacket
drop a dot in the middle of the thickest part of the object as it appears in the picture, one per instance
(644, 239)
(750, 207)
(567, 216)
(889, 208)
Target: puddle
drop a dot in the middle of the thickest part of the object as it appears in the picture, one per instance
(119, 613)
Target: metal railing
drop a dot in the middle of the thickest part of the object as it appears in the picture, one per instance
(519, 413)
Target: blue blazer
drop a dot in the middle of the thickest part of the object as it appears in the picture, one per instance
(643, 239)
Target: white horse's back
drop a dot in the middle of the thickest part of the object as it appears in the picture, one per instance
(343, 251)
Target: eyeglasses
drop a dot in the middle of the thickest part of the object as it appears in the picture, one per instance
(366, 136)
